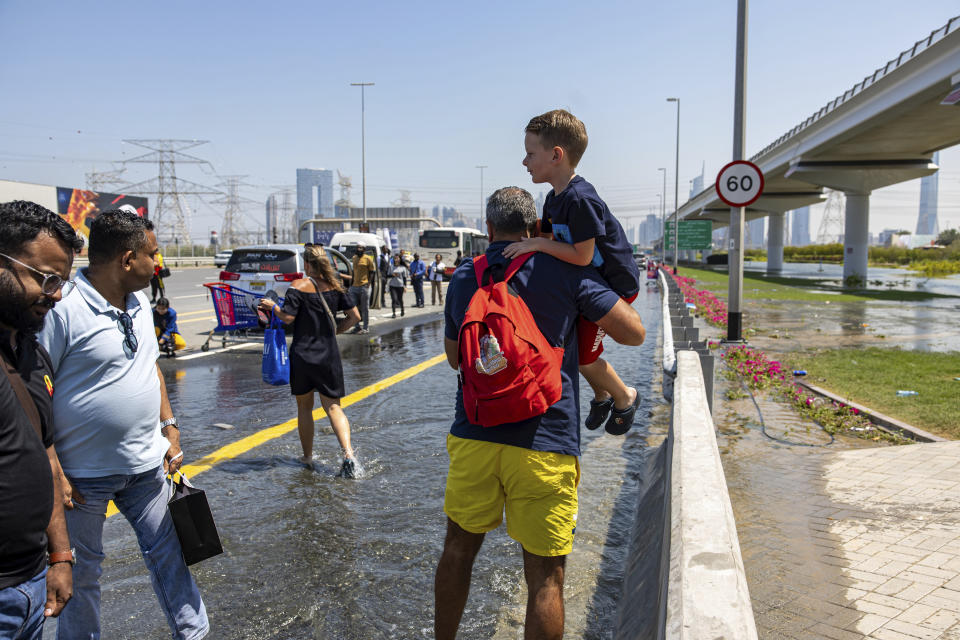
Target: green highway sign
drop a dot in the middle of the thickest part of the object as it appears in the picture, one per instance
(694, 234)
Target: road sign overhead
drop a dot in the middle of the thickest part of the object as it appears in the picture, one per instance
(740, 183)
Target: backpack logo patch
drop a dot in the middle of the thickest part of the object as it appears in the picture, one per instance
(491, 359)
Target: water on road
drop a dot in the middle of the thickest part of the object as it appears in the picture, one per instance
(310, 555)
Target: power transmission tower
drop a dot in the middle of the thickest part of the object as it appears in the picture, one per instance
(286, 214)
(97, 180)
(168, 188)
(404, 199)
(831, 225)
(232, 227)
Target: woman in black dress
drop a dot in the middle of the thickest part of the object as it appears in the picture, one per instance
(314, 356)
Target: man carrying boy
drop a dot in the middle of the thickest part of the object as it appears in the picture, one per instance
(584, 233)
(528, 469)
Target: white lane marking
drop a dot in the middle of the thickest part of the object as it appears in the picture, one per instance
(195, 295)
(242, 345)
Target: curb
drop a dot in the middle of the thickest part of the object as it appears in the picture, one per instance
(883, 421)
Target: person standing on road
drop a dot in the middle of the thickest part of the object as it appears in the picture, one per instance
(363, 273)
(435, 276)
(417, 270)
(114, 429)
(529, 469)
(36, 577)
(384, 267)
(398, 284)
(310, 305)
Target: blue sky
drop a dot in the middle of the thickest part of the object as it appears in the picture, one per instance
(268, 86)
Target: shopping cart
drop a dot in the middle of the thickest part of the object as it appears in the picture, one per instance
(236, 311)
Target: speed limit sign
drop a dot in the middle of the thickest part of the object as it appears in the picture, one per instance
(740, 183)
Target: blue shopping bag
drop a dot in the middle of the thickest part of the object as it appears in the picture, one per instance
(276, 362)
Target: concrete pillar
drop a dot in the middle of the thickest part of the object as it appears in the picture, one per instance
(775, 243)
(706, 253)
(856, 236)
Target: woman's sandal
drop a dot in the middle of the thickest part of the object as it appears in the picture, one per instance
(622, 419)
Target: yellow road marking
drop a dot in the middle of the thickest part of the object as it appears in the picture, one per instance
(192, 313)
(207, 318)
(252, 441)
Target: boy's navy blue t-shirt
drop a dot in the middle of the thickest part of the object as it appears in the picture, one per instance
(576, 214)
(556, 293)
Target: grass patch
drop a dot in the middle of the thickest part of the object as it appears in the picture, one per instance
(872, 377)
(756, 287)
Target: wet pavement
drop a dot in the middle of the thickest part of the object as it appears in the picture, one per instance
(310, 555)
(841, 538)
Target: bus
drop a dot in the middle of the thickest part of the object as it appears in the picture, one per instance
(447, 241)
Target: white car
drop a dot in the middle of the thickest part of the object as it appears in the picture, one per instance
(272, 267)
(222, 258)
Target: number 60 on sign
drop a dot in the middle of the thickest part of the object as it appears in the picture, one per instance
(740, 183)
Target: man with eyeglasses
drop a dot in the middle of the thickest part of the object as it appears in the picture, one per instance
(114, 429)
(36, 580)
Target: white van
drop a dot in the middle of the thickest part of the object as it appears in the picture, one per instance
(346, 243)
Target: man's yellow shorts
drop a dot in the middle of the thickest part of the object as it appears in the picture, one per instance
(538, 489)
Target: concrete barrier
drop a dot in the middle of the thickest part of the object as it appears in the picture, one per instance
(684, 576)
(707, 594)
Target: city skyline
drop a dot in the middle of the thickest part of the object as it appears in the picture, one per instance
(430, 119)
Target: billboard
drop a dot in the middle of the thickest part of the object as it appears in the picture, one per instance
(81, 206)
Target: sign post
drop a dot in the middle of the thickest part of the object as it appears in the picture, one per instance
(739, 184)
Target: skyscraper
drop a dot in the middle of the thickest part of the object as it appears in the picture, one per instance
(800, 232)
(696, 185)
(307, 180)
(927, 223)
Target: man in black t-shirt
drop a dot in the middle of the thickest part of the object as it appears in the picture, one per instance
(36, 580)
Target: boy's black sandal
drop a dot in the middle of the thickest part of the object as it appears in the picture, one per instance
(622, 419)
(599, 409)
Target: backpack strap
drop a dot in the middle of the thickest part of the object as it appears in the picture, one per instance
(26, 400)
(480, 266)
(515, 265)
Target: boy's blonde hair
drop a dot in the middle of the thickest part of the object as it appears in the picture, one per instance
(560, 128)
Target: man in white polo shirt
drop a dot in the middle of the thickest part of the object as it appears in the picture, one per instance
(114, 428)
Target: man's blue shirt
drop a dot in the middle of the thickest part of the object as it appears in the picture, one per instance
(556, 293)
(577, 214)
(417, 269)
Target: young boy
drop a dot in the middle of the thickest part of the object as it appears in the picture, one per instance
(165, 325)
(584, 233)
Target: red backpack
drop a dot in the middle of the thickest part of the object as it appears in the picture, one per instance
(508, 370)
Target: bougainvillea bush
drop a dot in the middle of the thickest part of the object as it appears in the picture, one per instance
(758, 371)
(712, 310)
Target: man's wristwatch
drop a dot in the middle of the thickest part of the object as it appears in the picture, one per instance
(62, 556)
(169, 421)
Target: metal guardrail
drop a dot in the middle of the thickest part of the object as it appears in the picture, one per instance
(908, 54)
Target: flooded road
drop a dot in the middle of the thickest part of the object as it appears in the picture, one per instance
(310, 555)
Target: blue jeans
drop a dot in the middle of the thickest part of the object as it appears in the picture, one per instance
(21, 609)
(142, 499)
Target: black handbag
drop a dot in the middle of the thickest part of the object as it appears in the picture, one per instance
(194, 522)
(164, 272)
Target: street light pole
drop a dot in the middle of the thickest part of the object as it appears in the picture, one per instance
(663, 217)
(737, 214)
(676, 192)
(481, 167)
(363, 143)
